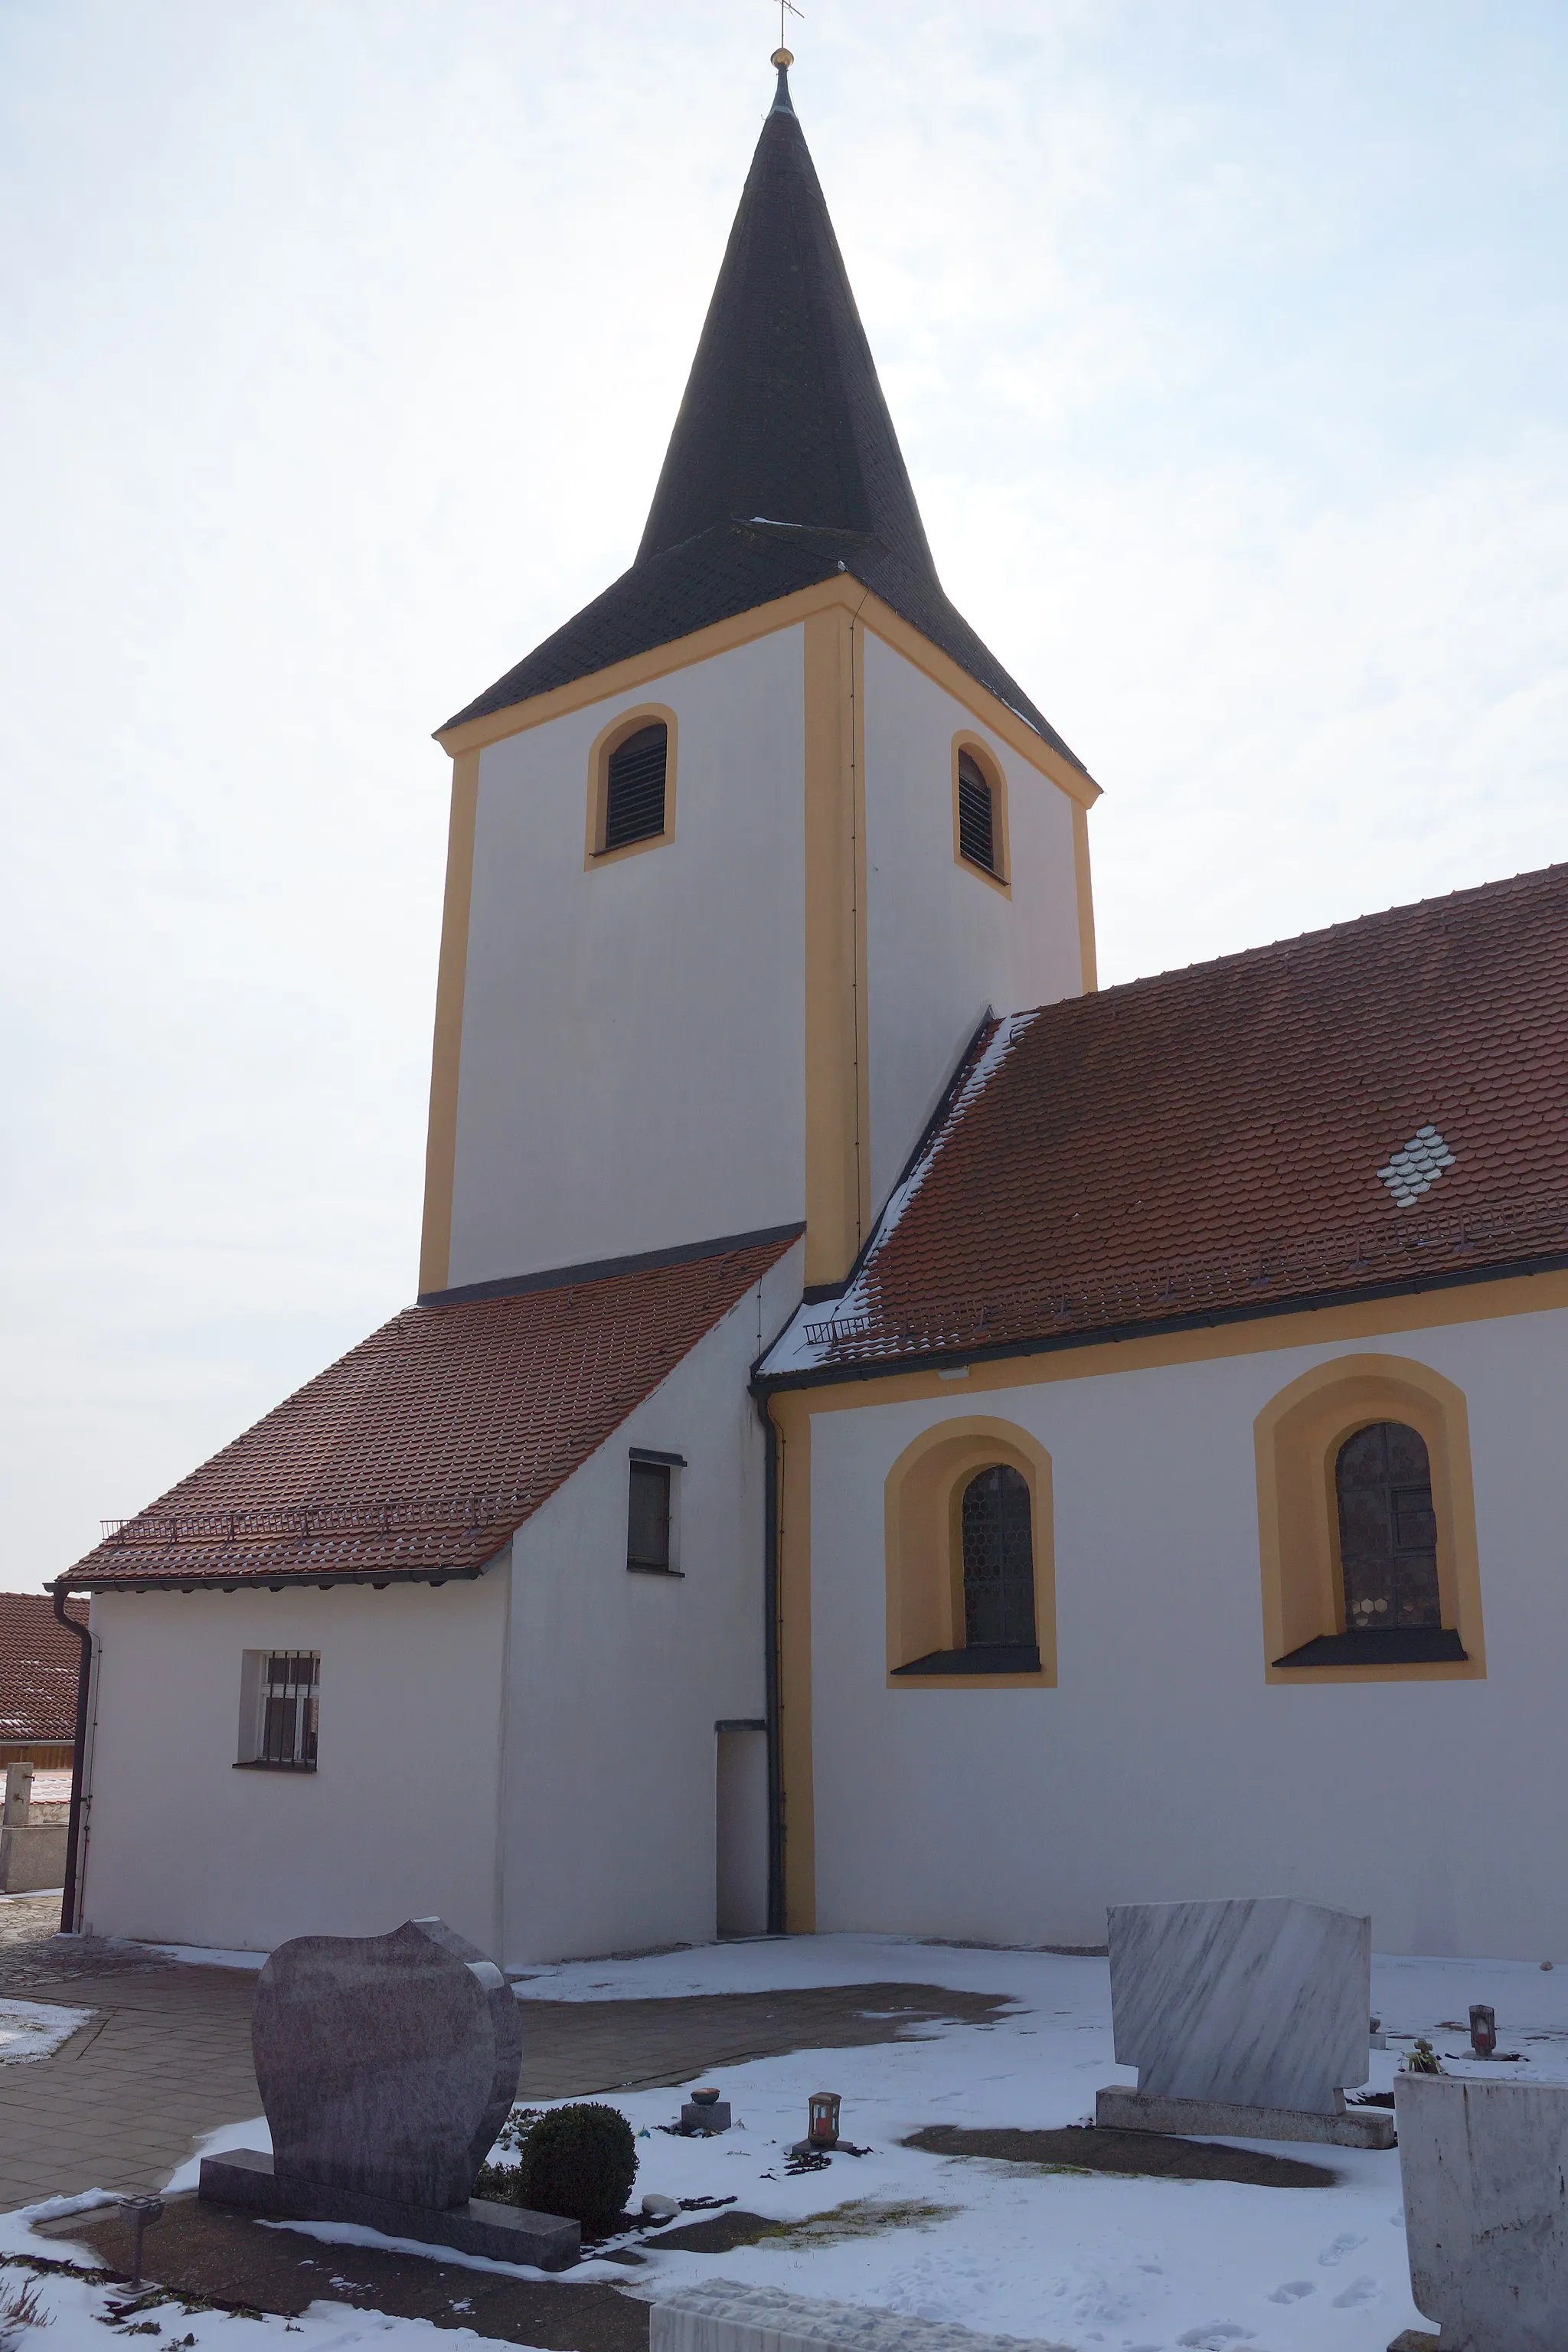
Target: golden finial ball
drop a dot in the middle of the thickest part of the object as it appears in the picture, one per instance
(781, 57)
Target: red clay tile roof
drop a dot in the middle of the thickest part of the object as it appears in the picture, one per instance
(419, 1452)
(39, 1661)
(1207, 1144)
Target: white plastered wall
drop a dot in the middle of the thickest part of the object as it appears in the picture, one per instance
(1163, 1766)
(941, 941)
(618, 1679)
(632, 1073)
(398, 1820)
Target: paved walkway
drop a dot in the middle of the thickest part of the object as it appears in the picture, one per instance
(167, 2056)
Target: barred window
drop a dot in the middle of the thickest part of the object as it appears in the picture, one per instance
(633, 787)
(279, 1709)
(976, 816)
(652, 1516)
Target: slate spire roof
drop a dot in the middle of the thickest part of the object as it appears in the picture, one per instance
(783, 415)
(783, 467)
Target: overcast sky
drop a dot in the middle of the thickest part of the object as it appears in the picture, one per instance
(341, 339)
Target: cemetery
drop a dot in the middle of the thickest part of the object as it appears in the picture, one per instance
(956, 2188)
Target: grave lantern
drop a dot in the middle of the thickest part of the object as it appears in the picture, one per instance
(822, 2111)
(1483, 2029)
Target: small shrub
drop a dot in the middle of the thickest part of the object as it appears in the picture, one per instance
(579, 2161)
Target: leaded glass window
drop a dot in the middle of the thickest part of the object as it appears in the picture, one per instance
(998, 1559)
(1388, 1529)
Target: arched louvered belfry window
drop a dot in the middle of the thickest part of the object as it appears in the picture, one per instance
(1388, 1529)
(998, 1561)
(978, 832)
(634, 786)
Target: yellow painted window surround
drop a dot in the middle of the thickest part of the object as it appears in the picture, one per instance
(1297, 1437)
(607, 742)
(924, 1502)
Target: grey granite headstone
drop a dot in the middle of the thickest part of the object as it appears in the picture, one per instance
(1486, 2211)
(1258, 2003)
(386, 2064)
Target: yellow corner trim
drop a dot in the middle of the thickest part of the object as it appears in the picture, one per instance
(627, 722)
(837, 1121)
(446, 1056)
(1089, 962)
(991, 768)
(841, 591)
(1296, 1437)
(795, 1663)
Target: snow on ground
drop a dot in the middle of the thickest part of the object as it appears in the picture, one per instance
(31, 2029)
(1087, 2260)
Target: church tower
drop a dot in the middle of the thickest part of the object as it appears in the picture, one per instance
(741, 856)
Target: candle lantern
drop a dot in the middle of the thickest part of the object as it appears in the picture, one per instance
(822, 2127)
(1483, 2029)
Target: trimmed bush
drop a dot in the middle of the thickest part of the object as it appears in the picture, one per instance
(579, 2161)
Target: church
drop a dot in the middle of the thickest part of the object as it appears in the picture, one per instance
(891, 1436)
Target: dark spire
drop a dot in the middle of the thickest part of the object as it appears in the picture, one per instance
(783, 415)
(783, 468)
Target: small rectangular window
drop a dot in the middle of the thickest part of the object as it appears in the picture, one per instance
(633, 787)
(647, 1517)
(977, 820)
(279, 1709)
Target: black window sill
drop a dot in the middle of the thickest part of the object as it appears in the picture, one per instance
(992, 1658)
(260, 1764)
(1382, 1646)
(651, 1568)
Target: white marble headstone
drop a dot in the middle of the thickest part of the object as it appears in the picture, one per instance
(1486, 2217)
(1261, 2002)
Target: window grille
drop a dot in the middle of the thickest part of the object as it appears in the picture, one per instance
(998, 1559)
(633, 786)
(1388, 1529)
(290, 1690)
(647, 1517)
(976, 816)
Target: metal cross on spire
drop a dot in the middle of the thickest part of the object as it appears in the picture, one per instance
(786, 7)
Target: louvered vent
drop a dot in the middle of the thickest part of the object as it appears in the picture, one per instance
(976, 826)
(634, 796)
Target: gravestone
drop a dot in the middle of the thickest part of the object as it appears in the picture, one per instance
(1246, 2018)
(1486, 2216)
(387, 2064)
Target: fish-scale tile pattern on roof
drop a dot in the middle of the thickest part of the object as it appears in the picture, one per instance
(1212, 1141)
(421, 1450)
(39, 1661)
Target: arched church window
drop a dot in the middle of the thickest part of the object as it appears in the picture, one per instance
(998, 1561)
(977, 827)
(1388, 1529)
(633, 786)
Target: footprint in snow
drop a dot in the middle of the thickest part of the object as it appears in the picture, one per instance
(1212, 2339)
(1345, 2244)
(1360, 2290)
(1293, 2290)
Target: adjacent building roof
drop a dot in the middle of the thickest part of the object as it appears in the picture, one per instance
(1376, 1107)
(418, 1454)
(783, 467)
(39, 1661)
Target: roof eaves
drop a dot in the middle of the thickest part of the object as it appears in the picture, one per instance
(1051, 1343)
